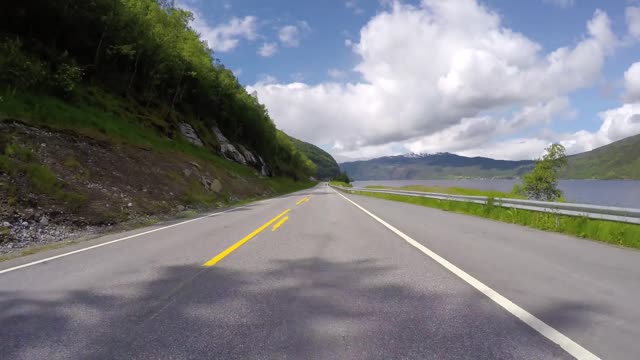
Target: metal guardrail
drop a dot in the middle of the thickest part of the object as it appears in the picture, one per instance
(611, 213)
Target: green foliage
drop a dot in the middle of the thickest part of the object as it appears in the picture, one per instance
(343, 177)
(67, 78)
(340, 183)
(542, 182)
(18, 70)
(284, 185)
(451, 191)
(606, 231)
(326, 165)
(140, 50)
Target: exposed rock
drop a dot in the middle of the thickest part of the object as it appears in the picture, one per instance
(227, 149)
(44, 221)
(216, 186)
(190, 134)
(251, 159)
(265, 170)
(186, 172)
(195, 164)
(6, 224)
(206, 183)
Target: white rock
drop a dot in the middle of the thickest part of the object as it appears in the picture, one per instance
(227, 149)
(190, 134)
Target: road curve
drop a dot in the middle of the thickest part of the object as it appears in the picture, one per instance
(311, 275)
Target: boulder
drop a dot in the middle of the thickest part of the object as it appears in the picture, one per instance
(189, 133)
(227, 149)
(248, 155)
(216, 186)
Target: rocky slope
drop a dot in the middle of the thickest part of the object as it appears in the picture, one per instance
(58, 185)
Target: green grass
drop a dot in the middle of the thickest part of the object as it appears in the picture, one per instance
(284, 185)
(101, 116)
(606, 231)
(339, 183)
(451, 191)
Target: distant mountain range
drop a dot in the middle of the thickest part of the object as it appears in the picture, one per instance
(618, 160)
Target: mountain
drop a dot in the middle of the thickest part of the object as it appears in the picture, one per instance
(433, 166)
(618, 160)
(326, 165)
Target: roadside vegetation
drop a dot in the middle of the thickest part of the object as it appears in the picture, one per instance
(540, 184)
(339, 183)
(128, 64)
(606, 231)
(451, 191)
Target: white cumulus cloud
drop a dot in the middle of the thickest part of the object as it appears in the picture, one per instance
(632, 83)
(436, 71)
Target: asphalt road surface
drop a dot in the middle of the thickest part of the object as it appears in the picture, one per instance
(319, 275)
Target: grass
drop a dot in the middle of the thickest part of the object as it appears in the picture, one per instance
(339, 183)
(452, 191)
(621, 234)
(104, 117)
(284, 185)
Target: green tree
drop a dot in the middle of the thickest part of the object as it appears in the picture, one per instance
(342, 177)
(542, 182)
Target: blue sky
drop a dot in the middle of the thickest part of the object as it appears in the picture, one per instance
(499, 78)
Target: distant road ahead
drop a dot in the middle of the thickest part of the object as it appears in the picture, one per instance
(320, 275)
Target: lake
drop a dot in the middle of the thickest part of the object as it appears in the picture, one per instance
(624, 193)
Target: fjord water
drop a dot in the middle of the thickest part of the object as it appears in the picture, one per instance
(624, 193)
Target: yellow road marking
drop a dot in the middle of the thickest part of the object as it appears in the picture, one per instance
(304, 199)
(279, 223)
(233, 247)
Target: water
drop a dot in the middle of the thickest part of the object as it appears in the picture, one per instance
(624, 193)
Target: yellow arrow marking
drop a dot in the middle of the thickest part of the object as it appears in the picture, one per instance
(279, 223)
(233, 247)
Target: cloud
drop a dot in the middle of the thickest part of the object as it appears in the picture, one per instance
(429, 68)
(561, 3)
(632, 16)
(336, 73)
(353, 5)
(268, 49)
(290, 35)
(632, 83)
(617, 124)
(226, 36)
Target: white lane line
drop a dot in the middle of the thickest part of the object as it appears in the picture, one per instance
(117, 240)
(570, 346)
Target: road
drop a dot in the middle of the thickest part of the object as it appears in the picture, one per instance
(320, 275)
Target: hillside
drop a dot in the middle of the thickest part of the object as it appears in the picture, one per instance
(115, 113)
(326, 166)
(433, 166)
(618, 160)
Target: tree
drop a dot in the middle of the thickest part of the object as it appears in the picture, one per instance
(342, 177)
(542, 182)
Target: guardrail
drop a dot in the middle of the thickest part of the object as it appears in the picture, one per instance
(611, 213)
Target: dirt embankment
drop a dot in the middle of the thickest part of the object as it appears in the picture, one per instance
(56, 186)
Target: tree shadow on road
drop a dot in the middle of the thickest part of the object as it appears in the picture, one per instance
(298, 309)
